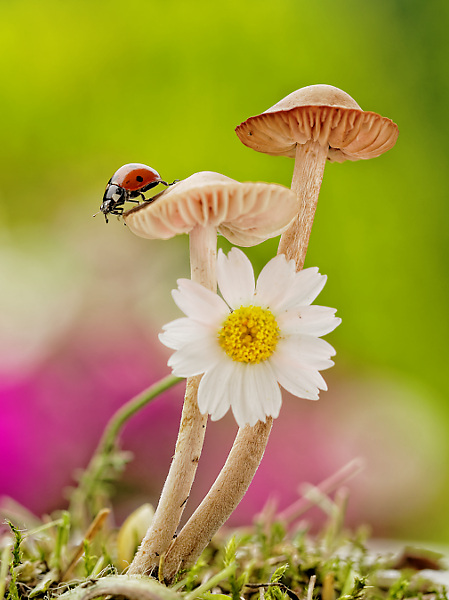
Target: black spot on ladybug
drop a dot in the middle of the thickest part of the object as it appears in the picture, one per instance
(139, 178)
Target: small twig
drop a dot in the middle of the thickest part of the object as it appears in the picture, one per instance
(161, 568)
(290, 593)
(337, 520)
(329, 485)
(94, 528)
(311, 586)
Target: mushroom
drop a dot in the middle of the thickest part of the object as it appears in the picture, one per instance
(246, 214)
(314, 124)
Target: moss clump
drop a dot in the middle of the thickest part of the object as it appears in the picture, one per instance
(263, 562)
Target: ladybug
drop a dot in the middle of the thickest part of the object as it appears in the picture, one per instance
(127, 184)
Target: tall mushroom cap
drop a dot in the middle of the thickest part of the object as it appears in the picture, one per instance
(245, 213)
(321, 113)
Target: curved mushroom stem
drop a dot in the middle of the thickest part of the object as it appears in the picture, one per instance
(176, 490)
(221, 500)
(310, 161)
(249, 445)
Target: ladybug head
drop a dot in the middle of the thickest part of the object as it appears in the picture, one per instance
(114, 196)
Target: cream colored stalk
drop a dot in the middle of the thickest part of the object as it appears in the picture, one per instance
(221, 500)
(310, 160)
(176, 490)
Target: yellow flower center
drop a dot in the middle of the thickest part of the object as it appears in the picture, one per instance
(250, 334)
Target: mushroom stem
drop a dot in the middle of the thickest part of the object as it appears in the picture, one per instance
(221, 500)
(203, 256)
(176, 490)
(249, 445)
(310, 161)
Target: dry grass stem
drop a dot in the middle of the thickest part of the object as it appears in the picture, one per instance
(328, 486)
(94, 528)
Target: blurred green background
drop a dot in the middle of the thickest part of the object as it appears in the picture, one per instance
(87, 86)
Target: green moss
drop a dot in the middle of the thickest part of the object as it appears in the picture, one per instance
(264, 562)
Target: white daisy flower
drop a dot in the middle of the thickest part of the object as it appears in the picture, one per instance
(253, 339)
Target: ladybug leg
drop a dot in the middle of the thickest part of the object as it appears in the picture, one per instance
(151, 185)
(169, 184)
(118, 210)
(136, 196)
(141, 199)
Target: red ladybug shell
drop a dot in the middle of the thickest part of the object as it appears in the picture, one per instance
(134, 176)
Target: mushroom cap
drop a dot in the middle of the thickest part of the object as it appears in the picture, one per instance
(245, 213)
(321, 113)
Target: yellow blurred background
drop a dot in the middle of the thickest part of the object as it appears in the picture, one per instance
(87, 86)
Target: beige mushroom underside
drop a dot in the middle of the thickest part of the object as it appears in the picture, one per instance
(321, 113)
(350, 133)
(245, 213)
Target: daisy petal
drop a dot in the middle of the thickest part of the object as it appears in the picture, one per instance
(180, 332)
(309, 376)
(292, 379)
(199, 303)
(268, 393)
(307, 284)
(252, 389)
(276, 277)
(213, 396)
(196, 357)
(307, 351)
(242, 391)
(235, 277)
(314, 378)
(309, 320)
